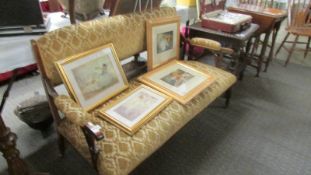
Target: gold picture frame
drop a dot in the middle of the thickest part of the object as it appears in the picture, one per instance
(93, 77)
(178, 80)
(162, 40)
(132, 111)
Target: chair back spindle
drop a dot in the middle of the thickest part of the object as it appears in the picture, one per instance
(298, 12)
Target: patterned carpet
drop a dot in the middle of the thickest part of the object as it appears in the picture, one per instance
(266, 130)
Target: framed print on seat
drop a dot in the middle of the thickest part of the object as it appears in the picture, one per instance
(162, 40)
(178, 80)
(94, 76)
(135, 109)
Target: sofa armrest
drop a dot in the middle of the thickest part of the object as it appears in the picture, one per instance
(72, 111)
(77, 115)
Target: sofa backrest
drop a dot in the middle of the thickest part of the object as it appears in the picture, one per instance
(126, 32)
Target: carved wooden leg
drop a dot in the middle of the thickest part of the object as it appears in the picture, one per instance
(61, 145)
(291, 50)
(307, 47)
(228, 97)
(284, 40)
(16, 165)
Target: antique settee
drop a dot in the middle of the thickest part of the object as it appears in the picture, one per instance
(117, 152)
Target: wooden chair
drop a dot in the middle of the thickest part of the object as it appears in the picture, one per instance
(299, 24)
(207, 44)
(211, 45)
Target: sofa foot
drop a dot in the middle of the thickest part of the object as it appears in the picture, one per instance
(61, 145)
(228, 97)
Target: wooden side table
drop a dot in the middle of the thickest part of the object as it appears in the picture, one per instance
(235, 41)
(269, 20)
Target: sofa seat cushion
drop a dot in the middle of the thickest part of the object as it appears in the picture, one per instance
(121, 153)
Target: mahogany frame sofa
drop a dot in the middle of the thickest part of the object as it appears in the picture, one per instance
(117, 152)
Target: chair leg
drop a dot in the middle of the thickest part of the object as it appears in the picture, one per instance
(307, 47)
(218, 59)
(61, 145)
(284, 40)
(291, 50)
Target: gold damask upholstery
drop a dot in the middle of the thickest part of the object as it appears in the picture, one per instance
(121, 153)
(126, 32)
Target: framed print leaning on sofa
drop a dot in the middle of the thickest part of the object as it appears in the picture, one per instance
(94, 76)
(135, 109)
(162, 41)
(178, 80)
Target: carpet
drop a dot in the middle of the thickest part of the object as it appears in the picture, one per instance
(266, 130)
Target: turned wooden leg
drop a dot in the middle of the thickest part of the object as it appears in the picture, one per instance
(307, 47)
(291, 50)
(61, 145)
(284, 40)
(16, 165)
(228, 97)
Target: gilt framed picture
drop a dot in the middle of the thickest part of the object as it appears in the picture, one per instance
(94, 76)
(178, 80)
(135, 109)
(162, 41)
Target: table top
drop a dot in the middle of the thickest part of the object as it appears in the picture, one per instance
(242, 36)
(249, 8)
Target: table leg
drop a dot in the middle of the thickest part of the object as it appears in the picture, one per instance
(262, 53)
(244, 58)
(271, 53)
(307, 47)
